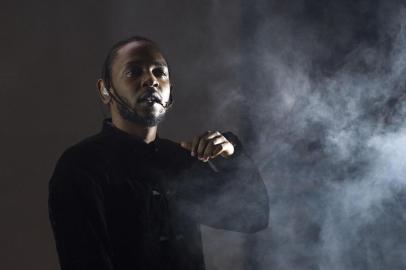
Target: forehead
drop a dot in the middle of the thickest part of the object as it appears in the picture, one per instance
(138, 51)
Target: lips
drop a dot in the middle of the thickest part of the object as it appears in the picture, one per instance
(150, 97)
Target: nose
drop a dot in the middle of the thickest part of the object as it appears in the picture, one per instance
(150, 80)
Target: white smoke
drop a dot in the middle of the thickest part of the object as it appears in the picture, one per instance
(332, 144)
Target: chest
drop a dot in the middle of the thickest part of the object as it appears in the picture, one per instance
(138, 198)
(141, 214)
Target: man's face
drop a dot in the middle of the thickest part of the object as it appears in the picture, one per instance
(140, 78)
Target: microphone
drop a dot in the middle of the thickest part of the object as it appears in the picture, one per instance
(120, 101)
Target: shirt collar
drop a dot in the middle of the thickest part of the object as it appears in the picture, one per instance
(109, 128)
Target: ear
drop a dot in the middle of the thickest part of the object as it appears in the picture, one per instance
(103, 92)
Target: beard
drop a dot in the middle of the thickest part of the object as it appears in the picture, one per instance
(129, 113)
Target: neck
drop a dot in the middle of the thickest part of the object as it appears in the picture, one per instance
(147, 134)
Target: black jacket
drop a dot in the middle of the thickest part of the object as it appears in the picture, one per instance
(118, 203)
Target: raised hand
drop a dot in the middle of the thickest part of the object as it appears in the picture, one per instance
(208, 146)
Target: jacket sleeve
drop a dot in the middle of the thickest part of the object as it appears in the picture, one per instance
(77, 217)
(225, 193)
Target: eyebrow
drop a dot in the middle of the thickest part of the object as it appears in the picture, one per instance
(141, 62)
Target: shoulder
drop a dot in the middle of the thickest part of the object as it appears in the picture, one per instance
(89, 148)
(88, 156)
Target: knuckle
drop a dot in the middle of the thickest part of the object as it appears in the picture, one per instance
(209, 150)
(201, 147)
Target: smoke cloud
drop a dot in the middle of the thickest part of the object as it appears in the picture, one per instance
(323, 92)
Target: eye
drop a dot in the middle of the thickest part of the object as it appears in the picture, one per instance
(134, 71)
(159, 72)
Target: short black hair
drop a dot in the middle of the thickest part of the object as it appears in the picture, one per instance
(111, 55)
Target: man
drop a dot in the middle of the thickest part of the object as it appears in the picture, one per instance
(127, 199)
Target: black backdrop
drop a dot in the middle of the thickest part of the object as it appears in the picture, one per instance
(51, 56)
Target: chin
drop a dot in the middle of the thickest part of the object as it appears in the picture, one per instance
(146, 117)
(152, 121)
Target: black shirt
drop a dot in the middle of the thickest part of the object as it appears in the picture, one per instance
(118, 203)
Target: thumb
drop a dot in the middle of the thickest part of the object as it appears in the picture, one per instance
(186, 145)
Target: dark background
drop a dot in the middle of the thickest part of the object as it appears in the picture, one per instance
(51, 55)
(315, 90)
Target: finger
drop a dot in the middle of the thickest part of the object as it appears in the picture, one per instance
(212, 134)
(201, 146)
(218, 140)
(203, 141)
(211, 146)
(200, 143)
(220, 148)
(186, 145)
(217, 147)
(195, 143)
(208, 150)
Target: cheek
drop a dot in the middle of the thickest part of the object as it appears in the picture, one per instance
(166, 90)
(132, 83)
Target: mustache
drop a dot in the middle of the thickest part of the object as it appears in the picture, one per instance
(150, 94)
